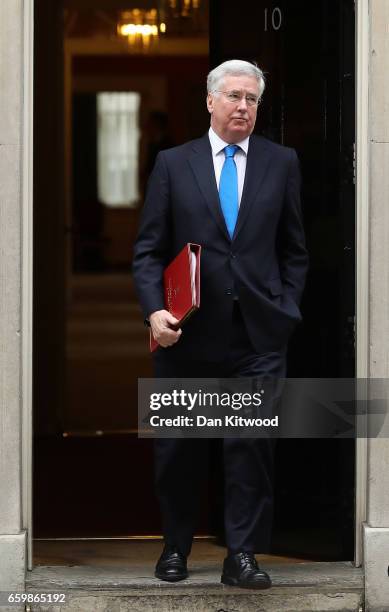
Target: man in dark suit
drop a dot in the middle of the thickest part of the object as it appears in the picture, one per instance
(238, 195)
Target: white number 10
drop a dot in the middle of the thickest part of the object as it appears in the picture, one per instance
(276, 18)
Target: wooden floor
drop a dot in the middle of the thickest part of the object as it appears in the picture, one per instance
(107, 351)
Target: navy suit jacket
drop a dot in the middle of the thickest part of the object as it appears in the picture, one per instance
(264, 264)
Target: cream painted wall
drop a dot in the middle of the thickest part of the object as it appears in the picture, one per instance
(12, 536)
(376, 533)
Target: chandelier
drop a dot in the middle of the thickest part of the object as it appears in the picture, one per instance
(142, 27)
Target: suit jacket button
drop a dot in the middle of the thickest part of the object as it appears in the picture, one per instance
(229, 291)
(232, 255)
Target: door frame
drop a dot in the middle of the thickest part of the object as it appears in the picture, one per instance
(27, 270)
(361, 252)
(362, 261)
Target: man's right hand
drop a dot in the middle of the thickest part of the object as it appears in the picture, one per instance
(161, 322)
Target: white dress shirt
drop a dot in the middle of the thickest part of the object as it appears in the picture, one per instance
(218, 145)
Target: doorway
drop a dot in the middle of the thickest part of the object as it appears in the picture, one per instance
(112, 107)
(90, 345)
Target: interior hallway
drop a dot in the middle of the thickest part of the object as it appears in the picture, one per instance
(107, 351)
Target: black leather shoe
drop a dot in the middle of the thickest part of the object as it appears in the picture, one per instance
(171, 565)
(242, 570)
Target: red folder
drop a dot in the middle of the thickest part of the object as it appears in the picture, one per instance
(181, 281)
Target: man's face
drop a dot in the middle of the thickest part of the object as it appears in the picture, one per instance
(233, 121)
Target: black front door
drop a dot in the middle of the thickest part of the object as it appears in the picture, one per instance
(306, 50)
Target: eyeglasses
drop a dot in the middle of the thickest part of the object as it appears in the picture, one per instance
(236, 96)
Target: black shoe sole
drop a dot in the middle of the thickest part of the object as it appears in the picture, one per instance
(228, 580)
(170, 578)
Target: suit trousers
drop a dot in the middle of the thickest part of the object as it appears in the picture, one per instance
(181, 464)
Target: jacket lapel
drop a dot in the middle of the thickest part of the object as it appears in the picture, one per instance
(201, 163)
(258, 159)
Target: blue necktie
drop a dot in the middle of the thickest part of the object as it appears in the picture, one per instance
(228, 189)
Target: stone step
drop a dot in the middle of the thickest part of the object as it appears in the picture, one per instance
(309, 587)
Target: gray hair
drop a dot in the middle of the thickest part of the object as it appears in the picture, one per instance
(235, 68)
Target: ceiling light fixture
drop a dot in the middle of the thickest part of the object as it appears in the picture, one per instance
(140, 27)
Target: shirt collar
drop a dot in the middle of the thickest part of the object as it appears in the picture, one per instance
(217, 144)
